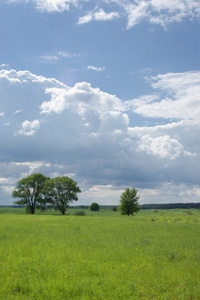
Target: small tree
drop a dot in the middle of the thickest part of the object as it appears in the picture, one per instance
(114, 208)
(94, 207)
(60, 191)
(129, 202)
(30, 191)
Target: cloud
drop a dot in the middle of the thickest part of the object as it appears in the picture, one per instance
(99, 15)
(162, 146)
(180, 91)
(49, 5)
(18, 111)
(53, 5)
(96, 69)
(88, 133)
(49, 58)
(57, 56)
(170, 193)
(4, 65)
(29, 128)
(136, 13)
(66, 54)
(85, 19)
(178, 104)
(173, 11)
(19, 78)
(159, 12)
(100, 193)
(156, 12)
(81, 98)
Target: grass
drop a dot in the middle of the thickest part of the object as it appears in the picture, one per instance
(102, 255)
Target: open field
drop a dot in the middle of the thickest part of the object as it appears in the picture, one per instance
(103, 255)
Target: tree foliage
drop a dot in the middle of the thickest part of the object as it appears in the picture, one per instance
(60, 191)
(30, 191)
(129, 202)
(94, 207)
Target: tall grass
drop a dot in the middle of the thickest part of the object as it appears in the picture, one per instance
(100, 256)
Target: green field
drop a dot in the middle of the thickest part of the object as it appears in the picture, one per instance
(102, 255)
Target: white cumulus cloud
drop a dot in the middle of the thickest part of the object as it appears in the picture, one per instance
(82, 98)
(29, 128)
(180, 94)
(87, 132)
(162, 146)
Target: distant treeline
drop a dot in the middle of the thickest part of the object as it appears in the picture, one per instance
(171, 206)
(143, 206)
(150, 206)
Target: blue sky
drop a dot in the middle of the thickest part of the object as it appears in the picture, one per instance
(106, 92)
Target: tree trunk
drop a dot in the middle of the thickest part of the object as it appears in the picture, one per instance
(63, 210)
(32, 210)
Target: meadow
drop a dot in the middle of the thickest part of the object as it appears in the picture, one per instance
(102, 255)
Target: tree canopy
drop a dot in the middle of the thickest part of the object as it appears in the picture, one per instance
(94, 207)
(60, 191)
(30, 191)
(129, 202)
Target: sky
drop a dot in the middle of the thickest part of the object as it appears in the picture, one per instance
(105, 92)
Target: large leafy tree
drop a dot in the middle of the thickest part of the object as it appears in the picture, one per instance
(129, 202)
(30, 191)
(60, 191)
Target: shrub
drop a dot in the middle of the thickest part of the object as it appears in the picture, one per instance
(189, 212)
(28, 209)
(79, 213)
(94, 207)
(114, 208)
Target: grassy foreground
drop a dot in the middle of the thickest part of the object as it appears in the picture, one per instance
(154, 255)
